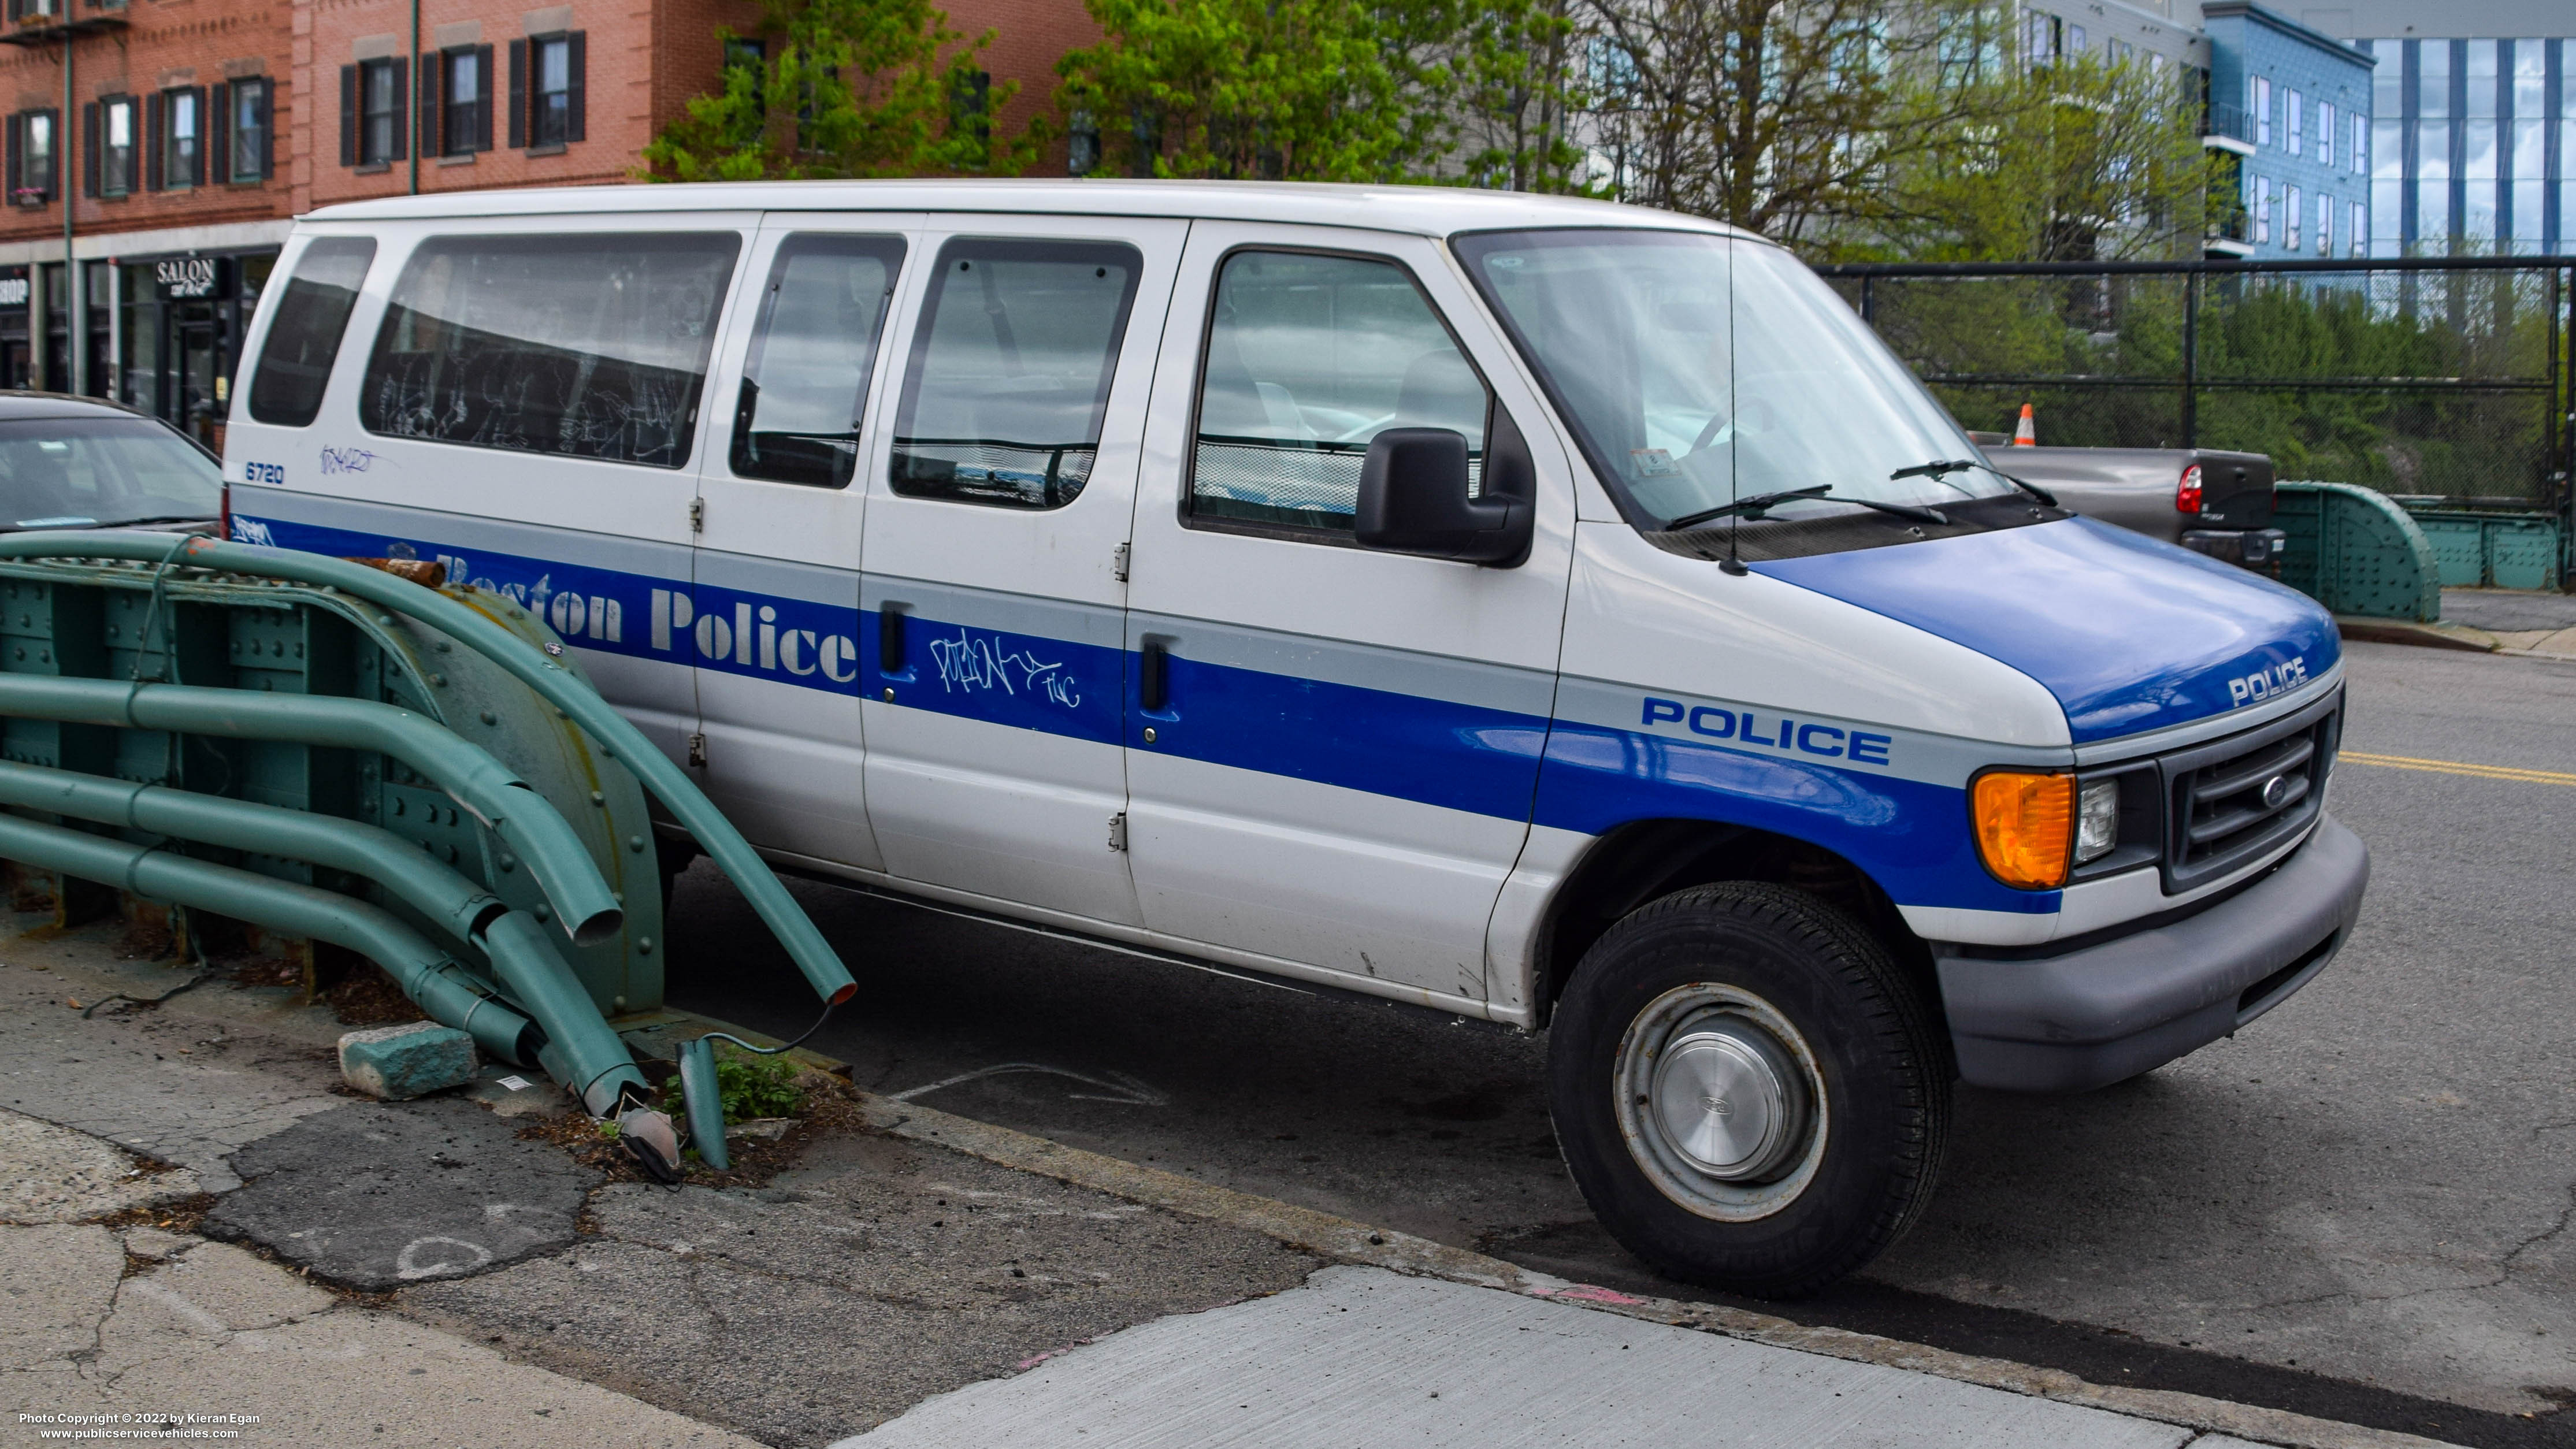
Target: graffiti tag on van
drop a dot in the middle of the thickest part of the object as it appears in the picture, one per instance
(1783, 733)
(346, 460)
(2262, 684)
(973, 664)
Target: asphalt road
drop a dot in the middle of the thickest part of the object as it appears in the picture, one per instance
(2356, 1209)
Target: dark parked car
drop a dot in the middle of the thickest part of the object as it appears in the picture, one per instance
(2208, 501)
(81, 462)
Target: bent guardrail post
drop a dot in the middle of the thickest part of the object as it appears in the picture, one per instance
(578, 1048)
(714, 834)
(521, 817)
(428, 975)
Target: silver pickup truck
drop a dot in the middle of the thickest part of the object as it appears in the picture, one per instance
(2208, 501)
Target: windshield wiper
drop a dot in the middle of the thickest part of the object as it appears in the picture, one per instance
(1761, 503)
(1753, 507)
(1937, 469)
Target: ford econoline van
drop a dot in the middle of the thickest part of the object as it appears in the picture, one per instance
(1562, 614)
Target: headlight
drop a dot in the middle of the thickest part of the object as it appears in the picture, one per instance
(2097, 820)
(2025, 826)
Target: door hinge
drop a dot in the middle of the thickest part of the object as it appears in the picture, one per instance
(1118, 563)
(697, 752)
(1118, 831)
(697, 515)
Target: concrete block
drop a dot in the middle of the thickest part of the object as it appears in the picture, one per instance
(396, 1062)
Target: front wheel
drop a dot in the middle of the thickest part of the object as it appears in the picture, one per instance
(1747, 1090)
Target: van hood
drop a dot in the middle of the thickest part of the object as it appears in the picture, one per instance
(2129, 633)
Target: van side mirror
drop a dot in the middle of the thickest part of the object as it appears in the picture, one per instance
(1413, 498)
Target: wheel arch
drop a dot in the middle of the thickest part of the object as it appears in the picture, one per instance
(1644, 860)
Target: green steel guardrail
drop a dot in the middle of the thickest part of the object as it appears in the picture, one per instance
(2356, 552)
(428, 975)
(714, 834)
(580, 1049)
(520, 816)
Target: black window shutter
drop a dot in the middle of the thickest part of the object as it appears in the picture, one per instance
(432, 71)
(207, 143)
(218, 111)
(574, 71)
(58, 157)
(348, 115)
(17, 155)
(518, 131)
(484, 98)
(402, 107)
(265, 119)
(89, 149)
(152, 122)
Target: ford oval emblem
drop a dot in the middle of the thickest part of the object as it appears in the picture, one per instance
(2276, 792)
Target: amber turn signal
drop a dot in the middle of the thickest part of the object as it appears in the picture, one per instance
(2025, 827)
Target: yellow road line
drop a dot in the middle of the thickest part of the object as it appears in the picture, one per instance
(2455, 767)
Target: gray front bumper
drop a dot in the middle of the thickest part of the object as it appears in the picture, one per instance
(2105, 1013)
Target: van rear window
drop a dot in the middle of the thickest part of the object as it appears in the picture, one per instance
(589, 346)
(304, 340)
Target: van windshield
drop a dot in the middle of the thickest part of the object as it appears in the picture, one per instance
(1699, 370)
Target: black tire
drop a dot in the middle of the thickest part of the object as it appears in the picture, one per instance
(1865, 1044)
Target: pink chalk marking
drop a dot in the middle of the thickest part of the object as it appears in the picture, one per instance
(1588, 1293)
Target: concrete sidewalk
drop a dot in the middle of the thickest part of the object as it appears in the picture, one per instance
(928, 1278)
(1362, 1357)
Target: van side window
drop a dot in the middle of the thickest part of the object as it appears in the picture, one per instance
(805, 380)
(1309, 358)
(295, 362)
(589, 346)
(1010, 373)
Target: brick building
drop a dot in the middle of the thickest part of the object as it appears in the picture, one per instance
(158, 149)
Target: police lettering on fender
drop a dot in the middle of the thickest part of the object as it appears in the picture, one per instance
(1784, 733)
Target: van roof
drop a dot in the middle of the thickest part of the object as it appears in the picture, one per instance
(1423, 210)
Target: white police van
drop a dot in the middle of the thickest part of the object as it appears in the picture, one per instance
(1562, 614)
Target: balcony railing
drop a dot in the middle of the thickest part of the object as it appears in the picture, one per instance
(2218, 118)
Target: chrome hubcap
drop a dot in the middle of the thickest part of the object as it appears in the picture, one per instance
(1728, 1100)
(1721, 1102)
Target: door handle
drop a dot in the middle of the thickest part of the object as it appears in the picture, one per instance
(1154, 674)
(890, 653)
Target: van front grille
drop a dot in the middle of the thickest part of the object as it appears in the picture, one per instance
(2230, 802)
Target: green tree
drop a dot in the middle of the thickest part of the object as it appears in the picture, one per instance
(846, 88)
(1326, 90)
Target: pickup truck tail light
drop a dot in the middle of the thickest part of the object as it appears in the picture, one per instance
(226, 531)
(2187, 492)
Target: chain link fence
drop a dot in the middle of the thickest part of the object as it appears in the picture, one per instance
(2427, 378)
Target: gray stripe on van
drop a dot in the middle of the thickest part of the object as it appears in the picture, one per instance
(1097, 625)
(1360, 666)
(779, 578)
(464, 531)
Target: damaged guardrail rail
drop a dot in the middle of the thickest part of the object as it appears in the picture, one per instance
(328, 751)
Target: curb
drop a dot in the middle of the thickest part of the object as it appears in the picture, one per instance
(1358, 1243)
(2406, 631)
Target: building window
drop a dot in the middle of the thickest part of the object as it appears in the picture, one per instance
(373, 96)
(2325, 225)
(245, 119)
(110, 128)
(2357, 235)
(456, 100)
(179, 146)
(1082, 145)
(2262, 109)
(2325, 133)
(2075, 39)
(2262, 210)
(2290, 213)
(2360, 151)
(32, 152)
(2298, 123)
(2044, 37)
(546, 86)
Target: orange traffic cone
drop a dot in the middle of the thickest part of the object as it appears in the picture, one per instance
(2025, 435)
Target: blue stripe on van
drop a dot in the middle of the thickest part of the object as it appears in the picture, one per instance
(1910, 835)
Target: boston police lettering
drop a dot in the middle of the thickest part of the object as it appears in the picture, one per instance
(1769, 732)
